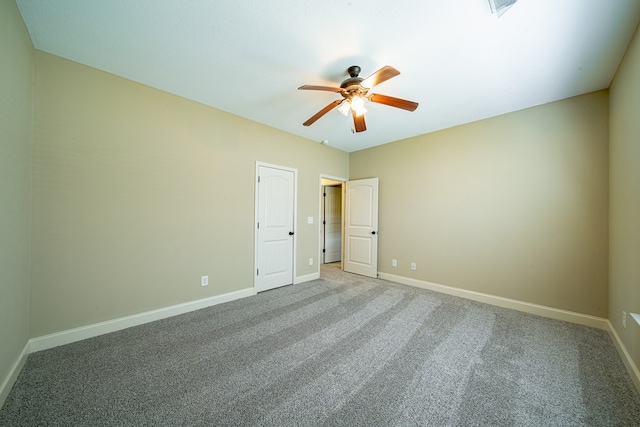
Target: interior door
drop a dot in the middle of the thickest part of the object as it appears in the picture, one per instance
(361, 227)
(275, 233)
(332, 222)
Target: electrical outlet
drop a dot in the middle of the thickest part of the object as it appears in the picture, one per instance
(624, 319)
(310, 261)
(413, 265)
(204, 281)
(394, 263)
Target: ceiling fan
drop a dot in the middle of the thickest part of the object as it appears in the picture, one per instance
(354, 91)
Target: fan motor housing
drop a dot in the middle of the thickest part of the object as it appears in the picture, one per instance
(352, 81)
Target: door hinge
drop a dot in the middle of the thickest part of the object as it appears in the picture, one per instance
(257, 271)
(258, 178)
(324, 194)
(324, 222)
(324, 250)
(258, 226)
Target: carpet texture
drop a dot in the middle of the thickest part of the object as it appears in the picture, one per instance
(341, 350)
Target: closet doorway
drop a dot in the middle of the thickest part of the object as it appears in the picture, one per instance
(331, 192)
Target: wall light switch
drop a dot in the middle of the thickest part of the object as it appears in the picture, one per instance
(310, 220)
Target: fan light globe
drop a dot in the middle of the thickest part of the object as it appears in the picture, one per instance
(344, 108)
(357, 105)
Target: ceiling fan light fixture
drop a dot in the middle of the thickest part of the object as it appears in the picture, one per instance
(345, 107)
(357, 105)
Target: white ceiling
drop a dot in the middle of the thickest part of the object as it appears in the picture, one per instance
(248, 57)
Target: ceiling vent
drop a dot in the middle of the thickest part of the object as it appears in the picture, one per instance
(501, 6)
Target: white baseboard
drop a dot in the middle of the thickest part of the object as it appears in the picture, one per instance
(625, 356)
(307, 278)
(11, 378)
(540, 310)
(90, 331)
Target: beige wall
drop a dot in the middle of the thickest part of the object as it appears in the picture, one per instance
(16, 144)
(513, 206)
(624, 278)
(137, 193)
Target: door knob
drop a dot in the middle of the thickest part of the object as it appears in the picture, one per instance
(373, 232)
(291, 233)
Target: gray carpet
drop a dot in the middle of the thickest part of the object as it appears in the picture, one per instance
(341, 350)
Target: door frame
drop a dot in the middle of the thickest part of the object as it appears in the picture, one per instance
(257, 213)
(343, 181)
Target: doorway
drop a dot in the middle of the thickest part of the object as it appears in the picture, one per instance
(358, 225)
(331, 222)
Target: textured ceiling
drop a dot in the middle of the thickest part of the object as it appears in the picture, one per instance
(248, 57)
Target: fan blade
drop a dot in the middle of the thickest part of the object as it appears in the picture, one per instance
(322, 112)
(327, 88)
(393, 102)
(358, 122)
(382, 75)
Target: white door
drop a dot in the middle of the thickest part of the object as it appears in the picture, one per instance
(361, 227)
(332, 222)
(274, 228)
